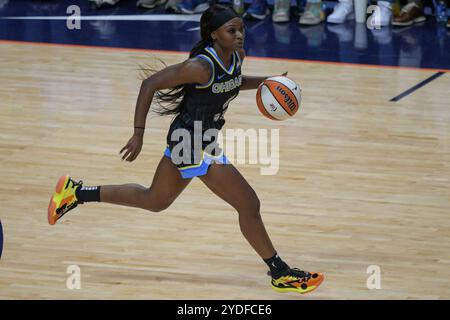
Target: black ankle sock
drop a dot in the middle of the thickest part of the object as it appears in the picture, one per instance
(88, 194)
(276, 265)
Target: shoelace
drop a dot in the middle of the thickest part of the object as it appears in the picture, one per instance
(73, 205)
(75, 184)
(301, 274)
(296, 272)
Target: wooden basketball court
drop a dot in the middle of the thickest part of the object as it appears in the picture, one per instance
(362, 181)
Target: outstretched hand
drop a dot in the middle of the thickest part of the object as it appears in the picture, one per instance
(132, 148)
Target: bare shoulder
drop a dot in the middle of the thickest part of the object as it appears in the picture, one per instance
(193, 70)
(201, 68)
(196, 64)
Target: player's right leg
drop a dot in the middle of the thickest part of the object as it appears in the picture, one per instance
(166, 186)
(227, 183)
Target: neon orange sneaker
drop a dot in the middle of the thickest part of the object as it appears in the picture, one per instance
(64, 198)
(296, 280)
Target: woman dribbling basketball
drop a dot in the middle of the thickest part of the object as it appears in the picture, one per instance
(205, 84)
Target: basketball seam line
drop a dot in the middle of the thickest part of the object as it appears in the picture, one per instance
(289, 90)
(263, 109)
(288, 112)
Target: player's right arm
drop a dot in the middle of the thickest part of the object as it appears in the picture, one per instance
(194, 70)
(190, 71)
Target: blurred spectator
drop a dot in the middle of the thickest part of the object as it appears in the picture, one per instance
(344, 11)
(281, 11)
(150, 4)
(385, 12)
(171, 5)
(258, 10)
(3, 3)
(397, 6)
(192, 6)
(410, 13)
(99, 3)
(448, 20)
(313, 14)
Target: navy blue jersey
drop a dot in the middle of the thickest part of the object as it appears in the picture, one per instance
(208, 102)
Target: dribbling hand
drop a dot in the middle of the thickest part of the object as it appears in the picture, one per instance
(132, 148)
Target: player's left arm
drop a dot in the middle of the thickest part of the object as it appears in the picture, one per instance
(251, 82)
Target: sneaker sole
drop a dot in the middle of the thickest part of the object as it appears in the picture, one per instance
(279, 20)
(349, 17)
(199, 9)
(51, 211)
(310, 22)
(153, 5)
(409, 23)
(300, 290)
(148, 6)
(258, 16)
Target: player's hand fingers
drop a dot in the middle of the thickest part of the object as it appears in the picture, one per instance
(134, 155)
(126, 154)
(124, 148)
(130, 156)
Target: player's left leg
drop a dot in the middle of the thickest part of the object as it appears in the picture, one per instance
(166, 186)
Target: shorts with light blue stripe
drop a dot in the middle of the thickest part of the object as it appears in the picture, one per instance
(201, 168)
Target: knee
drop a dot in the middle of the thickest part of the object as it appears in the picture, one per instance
(158, 206)
(251, 208)
(156, 203)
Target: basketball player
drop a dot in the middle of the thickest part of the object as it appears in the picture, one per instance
(205, 83)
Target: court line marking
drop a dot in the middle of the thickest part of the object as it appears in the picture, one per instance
(417, 86)
(372, 66)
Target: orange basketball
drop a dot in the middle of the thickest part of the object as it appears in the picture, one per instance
(278, 98)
